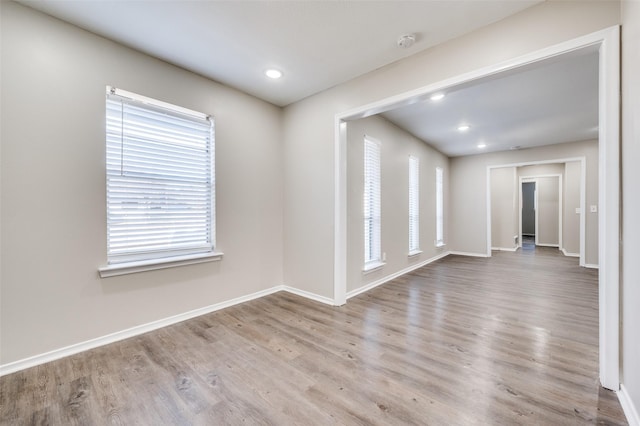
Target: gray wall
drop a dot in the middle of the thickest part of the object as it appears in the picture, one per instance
(504, 211)
(571, 202)
(309, 129)
(548, 232)
(631, 199)
(53, 189)
(468, 192)
(397, 145)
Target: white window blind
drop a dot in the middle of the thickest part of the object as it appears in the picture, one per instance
(439, 207)
(414, 204)
(372, 220)
(160, 179)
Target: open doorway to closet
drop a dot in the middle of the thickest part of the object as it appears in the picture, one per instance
(528, 215)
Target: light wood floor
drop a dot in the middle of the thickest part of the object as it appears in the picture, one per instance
(464, 341)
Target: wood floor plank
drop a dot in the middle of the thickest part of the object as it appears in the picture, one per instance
(506, 340)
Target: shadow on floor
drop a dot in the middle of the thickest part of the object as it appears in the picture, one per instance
(528, 242)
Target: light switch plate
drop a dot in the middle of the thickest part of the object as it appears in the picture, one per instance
(594, 208)
(577, 210)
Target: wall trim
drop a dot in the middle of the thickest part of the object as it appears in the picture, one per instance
(395, 275)
(466, 253)
(566, 253)
(549, 245)
(505, 248)
(609, 208)
(591, 266)
(629, 409)
(76, 348)
(309, 295)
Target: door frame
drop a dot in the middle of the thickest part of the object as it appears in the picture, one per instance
(534, 179)
(608, 43)
(583, 199)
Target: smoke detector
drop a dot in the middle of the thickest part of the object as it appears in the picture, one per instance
(406, 41)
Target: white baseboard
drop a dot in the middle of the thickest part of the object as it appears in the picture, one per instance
(630, 410)
(591, 265)
(548, 245)
(566, 253)
(390, 277)
(309, 295)
(464, 253)
(505, 248)
(55, 354)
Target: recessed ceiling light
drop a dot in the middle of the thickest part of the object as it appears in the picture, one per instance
(273, 73)
(437, 97)
(463, 127)
(482, 145)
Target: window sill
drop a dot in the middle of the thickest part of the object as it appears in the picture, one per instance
(440, 244)
(372, 267)
(414, 253)
(150, 265)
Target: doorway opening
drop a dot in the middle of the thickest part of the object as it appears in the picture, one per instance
(528, 215)
(526, 203)
(607, 43)
(541, 215)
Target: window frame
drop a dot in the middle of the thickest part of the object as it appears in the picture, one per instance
(372, 204)
(439, 242)
(414, 205)
(173, 254)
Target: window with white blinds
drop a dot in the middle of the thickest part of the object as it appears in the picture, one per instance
(372, 219)
(160, 179)
(439, 207)
(414, 205)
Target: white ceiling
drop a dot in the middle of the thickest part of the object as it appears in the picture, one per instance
(543, 104)
(317, 44)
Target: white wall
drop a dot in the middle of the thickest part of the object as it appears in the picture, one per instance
(468, 192)
(631, 202)
(396, 147)
(309, 124)
(53, 189)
